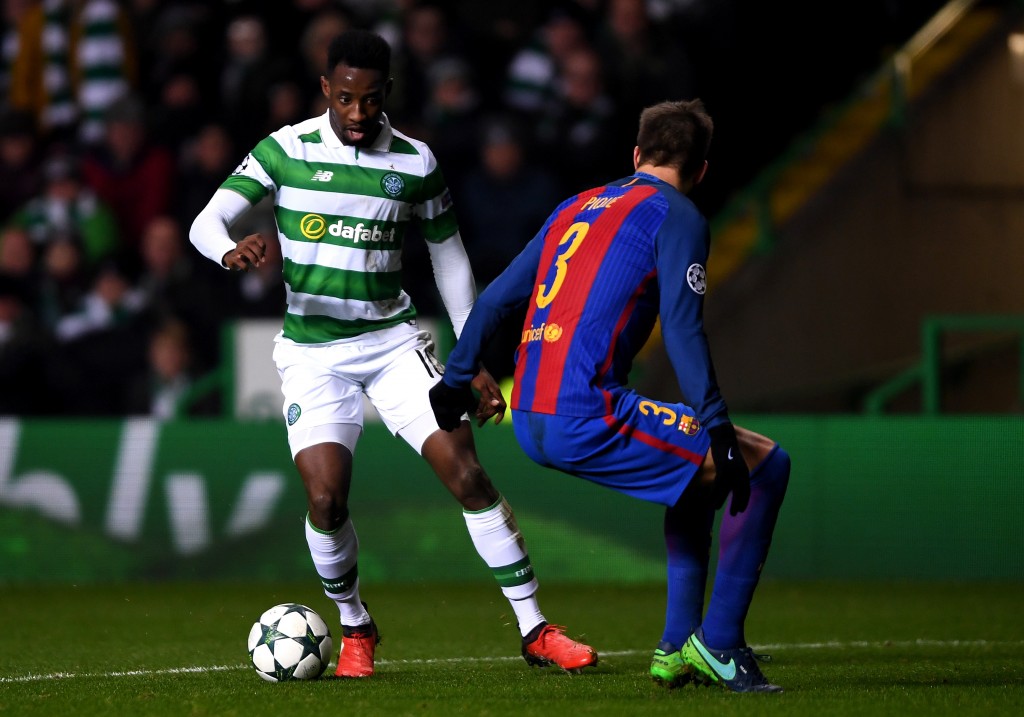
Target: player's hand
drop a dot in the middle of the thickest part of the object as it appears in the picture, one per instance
(450, 403)
(731, 472)
(249, 253)
(491, 402)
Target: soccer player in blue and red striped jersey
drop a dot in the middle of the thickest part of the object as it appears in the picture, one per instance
(605, 266)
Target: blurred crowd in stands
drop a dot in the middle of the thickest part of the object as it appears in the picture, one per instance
(119, 119)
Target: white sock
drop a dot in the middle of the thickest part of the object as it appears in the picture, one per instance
(497, 539)
(335, 555)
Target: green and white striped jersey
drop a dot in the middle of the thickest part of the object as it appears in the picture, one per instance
(342, 217)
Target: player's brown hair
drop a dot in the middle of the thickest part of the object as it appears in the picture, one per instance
(675, 134)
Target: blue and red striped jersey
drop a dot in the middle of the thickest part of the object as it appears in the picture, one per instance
(605, 265)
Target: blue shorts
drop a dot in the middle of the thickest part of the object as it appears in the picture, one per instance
(645, 449)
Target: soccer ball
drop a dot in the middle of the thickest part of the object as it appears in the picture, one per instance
(290, 642)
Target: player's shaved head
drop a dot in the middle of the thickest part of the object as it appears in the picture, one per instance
(675, 134)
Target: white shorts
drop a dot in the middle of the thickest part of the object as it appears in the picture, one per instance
(323, 386)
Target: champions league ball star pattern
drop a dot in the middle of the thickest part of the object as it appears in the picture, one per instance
(290, 642)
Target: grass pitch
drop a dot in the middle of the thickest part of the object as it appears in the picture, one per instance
(838, 649)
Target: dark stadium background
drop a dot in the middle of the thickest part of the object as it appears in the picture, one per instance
(767, 70)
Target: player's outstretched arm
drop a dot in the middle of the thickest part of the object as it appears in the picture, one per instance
(454, 279)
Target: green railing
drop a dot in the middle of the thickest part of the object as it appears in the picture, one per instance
(928, 373)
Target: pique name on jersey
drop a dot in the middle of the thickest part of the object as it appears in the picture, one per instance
(314, 226)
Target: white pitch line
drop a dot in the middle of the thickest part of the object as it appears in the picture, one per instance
(125, 673)
(832, 644)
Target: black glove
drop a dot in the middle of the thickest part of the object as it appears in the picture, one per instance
(731, 470)
(450, 403)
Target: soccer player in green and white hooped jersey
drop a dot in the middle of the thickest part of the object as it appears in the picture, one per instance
(346, 188)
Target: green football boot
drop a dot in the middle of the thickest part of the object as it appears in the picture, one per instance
(668, 668)
(734, 669)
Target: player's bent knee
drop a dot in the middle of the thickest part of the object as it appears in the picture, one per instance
(755, 446)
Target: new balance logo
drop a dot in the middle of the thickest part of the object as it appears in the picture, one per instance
(322, 175)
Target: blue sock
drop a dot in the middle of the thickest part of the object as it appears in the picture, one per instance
(743, 542)
(688, 544)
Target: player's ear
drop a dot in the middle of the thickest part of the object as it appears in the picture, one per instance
(387, 87)
(636, 157)
(325, 86)
(701, 173)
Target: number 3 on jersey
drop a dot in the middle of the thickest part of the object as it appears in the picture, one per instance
(573, 237)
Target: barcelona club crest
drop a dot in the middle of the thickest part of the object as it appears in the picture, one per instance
(689, 425)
